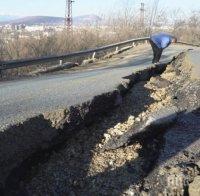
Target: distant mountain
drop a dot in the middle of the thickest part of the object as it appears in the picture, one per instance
(35, 20)
(4, 18)
(50, 20)
(87, 19)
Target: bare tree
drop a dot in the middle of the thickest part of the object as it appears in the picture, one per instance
(154, 11)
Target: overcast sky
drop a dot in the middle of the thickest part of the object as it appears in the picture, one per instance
(82, 7)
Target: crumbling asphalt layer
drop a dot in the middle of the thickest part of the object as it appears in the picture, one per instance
(27, 98)
(144, 165)
(178, 163)
(47, 131)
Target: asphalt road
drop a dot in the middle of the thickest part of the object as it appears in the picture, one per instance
(24, 99)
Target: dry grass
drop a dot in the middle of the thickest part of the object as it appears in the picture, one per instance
(122, 27)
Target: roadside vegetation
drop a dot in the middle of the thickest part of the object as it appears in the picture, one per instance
(125, 25)
(121, 26)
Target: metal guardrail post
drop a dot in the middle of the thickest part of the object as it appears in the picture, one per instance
(117, 49)
(93, 55)
(60, 62)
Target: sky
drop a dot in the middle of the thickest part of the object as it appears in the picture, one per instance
(82, 7)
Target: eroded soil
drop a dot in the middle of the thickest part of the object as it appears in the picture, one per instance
(142, 166)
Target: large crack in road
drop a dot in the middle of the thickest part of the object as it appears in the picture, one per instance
(129, 150)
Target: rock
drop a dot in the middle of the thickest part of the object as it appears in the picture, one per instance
(100, 146)
(111, 163)
(194, 187)
(159, 95)
(169, 76)
(129, 193)
(169, 69)
(107, 137)
(153, 80)
(158, 83)
(57, 118)
(163, 117)
(125, 83)
(142, 116)
(138, 119)
(131, 118)
(118, 126)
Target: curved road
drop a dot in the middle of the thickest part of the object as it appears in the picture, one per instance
(23, 99)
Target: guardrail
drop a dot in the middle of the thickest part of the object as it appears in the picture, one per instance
(189, 44)
(32, 61)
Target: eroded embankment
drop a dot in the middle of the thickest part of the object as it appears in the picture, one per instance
(134, 149)
(23, 142)
(125, 152)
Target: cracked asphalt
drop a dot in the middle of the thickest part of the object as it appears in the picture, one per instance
(23, 99)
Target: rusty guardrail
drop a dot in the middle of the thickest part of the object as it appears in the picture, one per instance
(32, 61)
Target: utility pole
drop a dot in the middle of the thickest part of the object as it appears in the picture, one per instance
(68, 15)
(142, 10)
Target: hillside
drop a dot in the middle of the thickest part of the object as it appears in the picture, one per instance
(50, 20)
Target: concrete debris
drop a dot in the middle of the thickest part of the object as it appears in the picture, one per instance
(57, 118)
